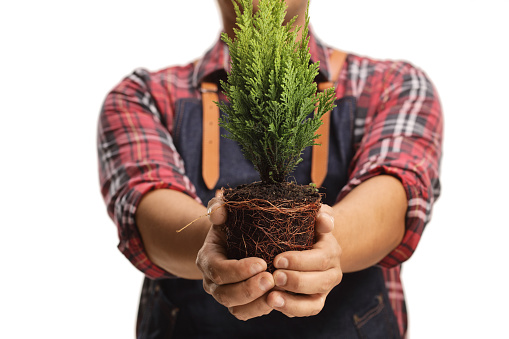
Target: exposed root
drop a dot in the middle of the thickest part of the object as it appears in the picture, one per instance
(201, 216)
(262, 228)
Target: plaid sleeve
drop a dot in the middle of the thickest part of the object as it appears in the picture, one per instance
(136, 155)
(403, 138)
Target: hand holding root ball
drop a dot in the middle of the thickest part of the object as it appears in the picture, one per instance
(302, 279)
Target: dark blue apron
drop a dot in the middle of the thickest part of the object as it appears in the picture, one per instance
(178, 308)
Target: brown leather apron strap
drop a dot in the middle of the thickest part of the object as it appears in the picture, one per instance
(320, 154)
(210, 137)
(336, 60)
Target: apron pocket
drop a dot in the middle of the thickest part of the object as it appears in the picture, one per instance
(157, 315)
(377, 321)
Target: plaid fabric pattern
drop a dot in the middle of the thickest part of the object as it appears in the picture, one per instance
(398, 131)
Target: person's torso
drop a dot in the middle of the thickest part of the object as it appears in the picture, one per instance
(179, 308)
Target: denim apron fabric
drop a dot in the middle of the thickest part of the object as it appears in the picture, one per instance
(178, 308)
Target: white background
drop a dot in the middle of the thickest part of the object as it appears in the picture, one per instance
(62, 276)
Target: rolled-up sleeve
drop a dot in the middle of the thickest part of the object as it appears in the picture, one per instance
(136, 155)
(402, 137)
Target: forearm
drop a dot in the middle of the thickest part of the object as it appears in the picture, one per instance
(159, 215)
(370, 222)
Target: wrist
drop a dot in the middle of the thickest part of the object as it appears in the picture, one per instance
(370, 222)
(160, 214)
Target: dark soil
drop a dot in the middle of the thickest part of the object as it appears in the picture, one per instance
(267, 219)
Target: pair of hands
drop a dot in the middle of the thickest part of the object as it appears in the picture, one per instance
(297, 288)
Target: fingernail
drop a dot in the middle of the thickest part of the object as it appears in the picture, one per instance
(279, 302)
(265, 284)
(256, 268)
(329, 216)
(280, 279)
(282, 263)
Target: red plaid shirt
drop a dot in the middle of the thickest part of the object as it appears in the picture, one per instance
(398, 131)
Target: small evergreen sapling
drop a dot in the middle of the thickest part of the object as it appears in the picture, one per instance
(272, 96)
(271, 90)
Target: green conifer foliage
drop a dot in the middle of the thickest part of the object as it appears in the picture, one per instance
(271, 89)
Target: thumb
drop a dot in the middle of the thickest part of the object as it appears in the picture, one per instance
(216, 211)
(324, 220)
